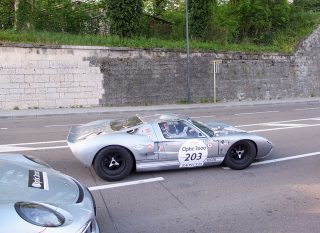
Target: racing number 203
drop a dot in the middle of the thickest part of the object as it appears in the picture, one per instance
(193, 156)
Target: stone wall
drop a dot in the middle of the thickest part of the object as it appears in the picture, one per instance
(47, 78)
(307, 61)
(69, 76)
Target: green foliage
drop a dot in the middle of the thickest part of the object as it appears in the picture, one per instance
(116, 41)
(253, 19)
(24, 15)
(311, 5)
(200, 16)
(65, 16)
(223, 27)
(177, 17)
(239, 25)
(155, 7)
(124, 17)
(6, 14)
(301, 23)
(259, 19)
(159, 7)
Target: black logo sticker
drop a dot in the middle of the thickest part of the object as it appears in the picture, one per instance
(38, 179)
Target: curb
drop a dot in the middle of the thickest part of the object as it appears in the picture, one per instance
(105, 110)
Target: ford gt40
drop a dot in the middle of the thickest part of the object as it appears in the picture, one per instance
(146, 143)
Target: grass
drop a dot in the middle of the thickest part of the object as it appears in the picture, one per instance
(48, 38)
(283, 42)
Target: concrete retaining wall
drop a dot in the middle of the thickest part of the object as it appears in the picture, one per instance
(47, 78)
(54, 77)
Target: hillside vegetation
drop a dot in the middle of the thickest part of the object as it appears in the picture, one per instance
(223, 25)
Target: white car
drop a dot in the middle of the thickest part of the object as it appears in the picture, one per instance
(36, 198)
(159, 142)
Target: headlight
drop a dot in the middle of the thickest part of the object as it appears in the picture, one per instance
(39, 215)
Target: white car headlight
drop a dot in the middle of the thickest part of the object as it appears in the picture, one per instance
(39, 215)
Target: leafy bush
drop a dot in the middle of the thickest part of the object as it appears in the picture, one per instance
(200, 16)
(6, 14)
(65, 16)
(124, 16)
(311, 5)
(178, 18)
(24, 16)
(247, 25)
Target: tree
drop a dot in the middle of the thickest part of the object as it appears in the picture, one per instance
(159, 7)
(312, 5)
(200, 17)
(23, 14)
(124, 16)
(258, 20)
(6, 14)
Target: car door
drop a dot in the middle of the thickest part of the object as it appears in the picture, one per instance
(185, 143)
(149, 131)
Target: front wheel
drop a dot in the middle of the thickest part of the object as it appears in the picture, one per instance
(113, 163)
(240, 155)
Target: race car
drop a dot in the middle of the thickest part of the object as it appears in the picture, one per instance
(36, 198)
(162, 141)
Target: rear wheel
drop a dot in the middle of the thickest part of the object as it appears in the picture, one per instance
(113, 163)
(240, 155)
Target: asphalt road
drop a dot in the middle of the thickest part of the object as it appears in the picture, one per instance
(279, 194)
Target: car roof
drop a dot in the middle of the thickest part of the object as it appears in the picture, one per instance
(158, 118)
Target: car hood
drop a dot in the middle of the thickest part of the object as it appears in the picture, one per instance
(221, 128)
(22, 182)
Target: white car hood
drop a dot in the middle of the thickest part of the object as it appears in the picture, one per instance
(24, 183)
(221, 128)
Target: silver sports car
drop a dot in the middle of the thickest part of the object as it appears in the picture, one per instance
(144, 143)
(36, 198)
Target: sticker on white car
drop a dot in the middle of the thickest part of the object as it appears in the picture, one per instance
(38, 179)
(192, 153)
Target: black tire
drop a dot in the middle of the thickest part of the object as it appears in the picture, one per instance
(240, 155)
(113, 163)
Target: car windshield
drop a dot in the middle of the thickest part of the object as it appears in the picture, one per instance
(117, 125)
(204, 128)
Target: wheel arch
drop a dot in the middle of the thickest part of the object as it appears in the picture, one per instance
(255, 145)
(115, 145)
(250, 140)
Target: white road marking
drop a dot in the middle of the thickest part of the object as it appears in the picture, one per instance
(281, 159)
(48, 126)
(286, 158)
(277, 122)
(5, 148)
(283, 125)
(3, 128)
(294, 127)
(302, 109)
(109, 186)
(203, 117)
(35, 143)
(252, 113)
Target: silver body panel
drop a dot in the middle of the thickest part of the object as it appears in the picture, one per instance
(56, 191)
(151, 150)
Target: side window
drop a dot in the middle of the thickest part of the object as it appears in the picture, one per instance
(178, 129)
(165, 129)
